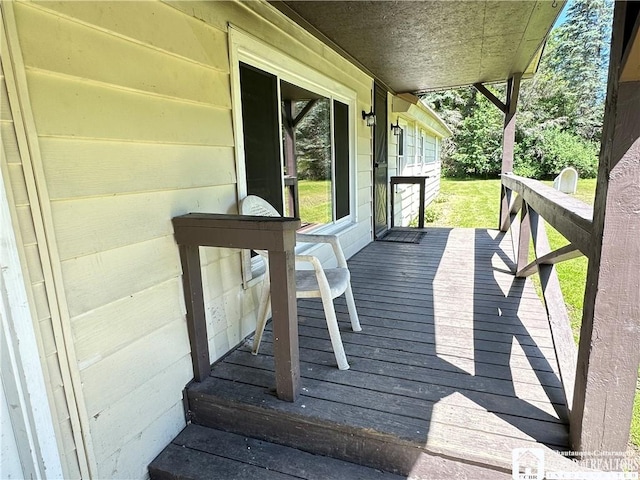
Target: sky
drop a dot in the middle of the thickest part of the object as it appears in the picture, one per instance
(563, 16)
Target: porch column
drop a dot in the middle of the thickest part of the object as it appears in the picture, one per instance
(508, 145)
(608, 354)
(508, 138)
(290, 153)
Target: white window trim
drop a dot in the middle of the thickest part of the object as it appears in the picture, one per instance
(22, 370)
(245, 48)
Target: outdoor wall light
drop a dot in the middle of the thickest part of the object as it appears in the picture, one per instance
(370, 118)
(396, 129)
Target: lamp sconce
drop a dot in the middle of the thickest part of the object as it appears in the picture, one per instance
(396, 129)
(370, 118)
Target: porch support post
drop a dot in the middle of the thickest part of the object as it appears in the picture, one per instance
(608, 354)
(290, 154)
(524, 237)
(285, 324)
(508, 144)
(277, 235)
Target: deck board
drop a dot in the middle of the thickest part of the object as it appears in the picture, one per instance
(455, 354)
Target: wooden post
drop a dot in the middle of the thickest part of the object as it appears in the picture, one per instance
(422, 199)
(194, 299)
(557, 314)
(290, 152)
(277, 235)
(524, 238)
(608, 354)
(285, 324)
(508, 145)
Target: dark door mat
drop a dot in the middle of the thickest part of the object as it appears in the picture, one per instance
(402, 236)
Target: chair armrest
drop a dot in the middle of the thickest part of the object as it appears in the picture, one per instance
(323, 283)
(330, 239)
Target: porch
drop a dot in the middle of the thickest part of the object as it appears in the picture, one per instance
(454, 368)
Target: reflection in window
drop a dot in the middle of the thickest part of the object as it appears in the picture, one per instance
(314, 161)
(316, 156)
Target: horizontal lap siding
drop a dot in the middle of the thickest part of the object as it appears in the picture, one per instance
(132, 106)
(133, 132)
(44, 332)
(406, 197)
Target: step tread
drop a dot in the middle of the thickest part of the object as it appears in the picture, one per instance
(201, 452)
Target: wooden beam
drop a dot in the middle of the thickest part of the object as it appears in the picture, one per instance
(508, 145)
(514, 224)
(509, 131)
(290, 159)
(568, 252)
(608, 355)
(561, 333)
(304, 111)
(570, 216)
(491, 97)
(524, 237)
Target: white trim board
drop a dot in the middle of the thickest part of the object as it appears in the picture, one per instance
(22, 376)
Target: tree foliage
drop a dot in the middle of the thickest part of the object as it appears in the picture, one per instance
(560, 111)
(313, 141)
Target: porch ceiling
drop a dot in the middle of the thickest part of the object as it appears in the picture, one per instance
(415, 46)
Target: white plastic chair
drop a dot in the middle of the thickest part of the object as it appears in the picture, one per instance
(326, 284)
(567, 181)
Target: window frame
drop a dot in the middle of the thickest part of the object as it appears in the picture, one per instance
(244, 48)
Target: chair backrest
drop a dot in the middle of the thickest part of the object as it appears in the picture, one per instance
(567, 181)
(254, 205)
(259, 207)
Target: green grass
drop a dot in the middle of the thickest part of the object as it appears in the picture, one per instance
(475, 204)
(315, 201)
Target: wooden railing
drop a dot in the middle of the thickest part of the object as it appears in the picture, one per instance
(573, 219)
(276, 235)
(420, 180)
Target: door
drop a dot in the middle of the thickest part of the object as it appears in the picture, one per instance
(380, 162)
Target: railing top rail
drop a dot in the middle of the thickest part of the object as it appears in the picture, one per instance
(571, 217)
(236, 231)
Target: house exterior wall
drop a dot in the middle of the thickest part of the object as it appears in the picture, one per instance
(133, 124)
(420, 157)
(22, 201)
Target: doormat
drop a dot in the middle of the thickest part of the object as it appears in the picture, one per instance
(402, 236)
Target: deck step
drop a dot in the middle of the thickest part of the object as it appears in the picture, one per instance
(205, 453)
(262, 416)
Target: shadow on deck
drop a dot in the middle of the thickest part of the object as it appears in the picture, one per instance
(455, 362)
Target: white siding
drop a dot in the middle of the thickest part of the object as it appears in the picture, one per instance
(45, 336)
(420, 158)
(132, 108)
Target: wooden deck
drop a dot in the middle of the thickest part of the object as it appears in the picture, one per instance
(455, 360)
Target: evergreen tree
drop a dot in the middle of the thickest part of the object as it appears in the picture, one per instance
(560, 110)
(313, 141)
(573, 71)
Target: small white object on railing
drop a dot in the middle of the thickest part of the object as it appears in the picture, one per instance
(567, 181)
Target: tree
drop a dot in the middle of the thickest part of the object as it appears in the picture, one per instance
(559, 113)
(313, 141)
(571, 83)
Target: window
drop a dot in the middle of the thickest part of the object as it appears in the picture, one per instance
(297, 150)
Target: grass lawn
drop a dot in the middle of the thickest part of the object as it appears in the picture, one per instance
(315, 201)
(475, 204)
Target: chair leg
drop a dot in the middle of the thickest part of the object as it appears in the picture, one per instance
(334, 333)
(263, 311)
(353, 313)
